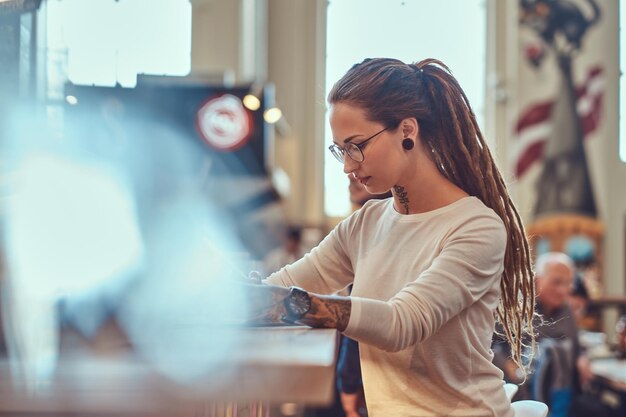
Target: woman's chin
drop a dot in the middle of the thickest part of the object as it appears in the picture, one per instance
(373, 189)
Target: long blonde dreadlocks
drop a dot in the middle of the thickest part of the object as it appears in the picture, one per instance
(390, 91)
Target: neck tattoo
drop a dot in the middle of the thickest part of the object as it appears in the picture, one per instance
(403, 197)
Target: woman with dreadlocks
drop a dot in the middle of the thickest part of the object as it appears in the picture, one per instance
(432, 268)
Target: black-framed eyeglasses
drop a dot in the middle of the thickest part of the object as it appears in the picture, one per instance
(353, 150)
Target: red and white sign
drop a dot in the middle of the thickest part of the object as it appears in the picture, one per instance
(224, 123)
(534, 126)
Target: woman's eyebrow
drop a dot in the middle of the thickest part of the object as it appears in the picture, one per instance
(348, 139)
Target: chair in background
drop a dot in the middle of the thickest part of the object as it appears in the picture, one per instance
(529, 408)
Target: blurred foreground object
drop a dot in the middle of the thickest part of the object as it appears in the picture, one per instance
(271, 364)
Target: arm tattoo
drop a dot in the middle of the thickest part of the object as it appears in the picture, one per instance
(403, 197)
(328, 311)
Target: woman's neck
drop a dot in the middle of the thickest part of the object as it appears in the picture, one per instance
(425, 194)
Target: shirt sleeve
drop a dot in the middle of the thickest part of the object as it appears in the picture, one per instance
(470, 263)
(327, 269)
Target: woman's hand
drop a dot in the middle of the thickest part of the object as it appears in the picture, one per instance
(265, 304)
(583, 365)
(352, 403)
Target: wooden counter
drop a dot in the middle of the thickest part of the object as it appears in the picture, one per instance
(272, 365)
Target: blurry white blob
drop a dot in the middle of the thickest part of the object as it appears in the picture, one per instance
(71, 100)
(272, 115)
(251, 102)
(183, 315)
(281, 182)
(70, 226)
(127, 232)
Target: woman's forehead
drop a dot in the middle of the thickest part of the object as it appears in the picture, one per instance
(342, 113)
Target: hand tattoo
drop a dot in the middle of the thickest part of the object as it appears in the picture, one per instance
(403, 197)
(265, 303)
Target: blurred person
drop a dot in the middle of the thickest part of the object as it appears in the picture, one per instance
(359, 194)
(561, 368)
(433, 267)
(290, 251)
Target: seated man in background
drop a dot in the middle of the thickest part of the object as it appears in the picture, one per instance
(561, 368)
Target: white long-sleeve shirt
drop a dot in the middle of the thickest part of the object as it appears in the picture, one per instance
(425, 290)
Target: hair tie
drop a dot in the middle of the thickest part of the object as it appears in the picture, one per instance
(417, 70)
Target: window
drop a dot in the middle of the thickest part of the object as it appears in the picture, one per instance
(410, 30)
(104, 42)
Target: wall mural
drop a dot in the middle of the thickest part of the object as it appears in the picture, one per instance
(551, 133)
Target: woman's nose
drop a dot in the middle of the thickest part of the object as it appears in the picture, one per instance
(349, 165)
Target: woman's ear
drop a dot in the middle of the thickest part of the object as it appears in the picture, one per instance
(410, 128)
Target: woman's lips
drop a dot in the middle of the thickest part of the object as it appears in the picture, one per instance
(364, 180)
